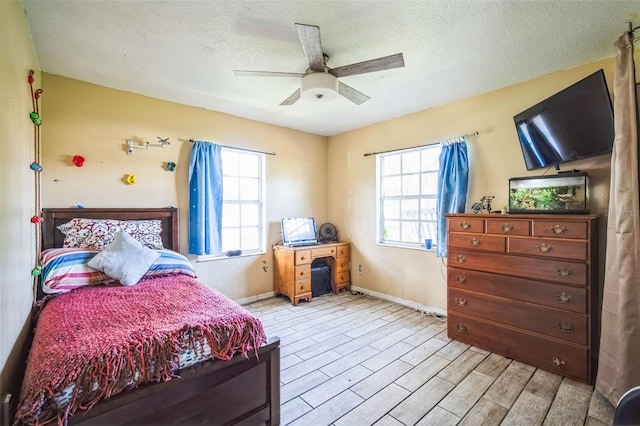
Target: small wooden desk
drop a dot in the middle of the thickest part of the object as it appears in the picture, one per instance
(292, 271)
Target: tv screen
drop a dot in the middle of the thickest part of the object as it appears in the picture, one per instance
(299, 231)
(573, 124)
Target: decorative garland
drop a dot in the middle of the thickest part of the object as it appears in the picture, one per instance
(36, 219)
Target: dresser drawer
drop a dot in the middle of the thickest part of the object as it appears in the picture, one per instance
(303, 272)
(303, 286)
(302, 257)
(508, 227)
(323, 252)
(465, 224)
(559, 229)
(559, 357)
(556, 270)
(343, 251)
(548, 248)
(558, 296)
(563, 325)
(478, 242)
(342, 264)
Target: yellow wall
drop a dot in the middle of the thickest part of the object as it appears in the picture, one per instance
(311, 175)
(17, 236)
(419, 276)
(95, 122)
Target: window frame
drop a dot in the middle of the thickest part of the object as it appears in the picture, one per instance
(262, 217)
(421, 195)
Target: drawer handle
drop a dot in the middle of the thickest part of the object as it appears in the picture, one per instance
(460, 279)
(301, 273)
(461, 259)
(506, 227)
(465, 225)
(474, 242)
(543, 248)
(559, 362)
(461, 328)
(558, 229)
(563, 298)
(461, 301)
(564, 272)
(302, 258)
(567, 327)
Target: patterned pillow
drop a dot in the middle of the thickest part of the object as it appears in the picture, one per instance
(170, 263)
(146, 231)
(65, 269)
(99, 233)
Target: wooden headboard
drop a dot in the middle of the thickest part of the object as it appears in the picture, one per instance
(52, 237)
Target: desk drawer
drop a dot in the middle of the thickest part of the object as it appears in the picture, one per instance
(342, 264)
(559, 357)
(562, 325)
(548, 248)
(478, 242)
(302, 257)
(556, 270)
(303, 286)
(343, 251)
(342, 277)
(558, 296)
(323, 252)
(303, 272)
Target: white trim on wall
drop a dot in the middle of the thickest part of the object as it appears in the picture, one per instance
(408, 303)
(429, 310)
(256, 298)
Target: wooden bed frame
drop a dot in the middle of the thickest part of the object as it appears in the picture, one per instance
(238, 391)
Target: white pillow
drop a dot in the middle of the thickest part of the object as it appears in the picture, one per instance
(125, 259)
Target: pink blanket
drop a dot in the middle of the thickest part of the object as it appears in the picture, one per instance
(117, 336)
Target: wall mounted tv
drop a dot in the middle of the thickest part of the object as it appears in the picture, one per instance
(573, 124)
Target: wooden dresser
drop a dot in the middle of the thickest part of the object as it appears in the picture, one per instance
(292, 269)
(526, 287)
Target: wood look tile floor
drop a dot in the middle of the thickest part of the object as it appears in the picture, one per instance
(356, 360)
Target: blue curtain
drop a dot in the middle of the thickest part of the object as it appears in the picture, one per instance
(205, 199)
(453, 182)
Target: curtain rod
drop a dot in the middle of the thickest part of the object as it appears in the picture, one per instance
(476, 133)
(240, 149)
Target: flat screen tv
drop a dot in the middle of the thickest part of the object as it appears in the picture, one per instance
(573, 124)
(299, 231)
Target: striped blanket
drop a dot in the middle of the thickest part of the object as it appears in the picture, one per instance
(102, 340)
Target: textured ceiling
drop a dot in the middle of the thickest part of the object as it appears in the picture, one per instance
(186, 51)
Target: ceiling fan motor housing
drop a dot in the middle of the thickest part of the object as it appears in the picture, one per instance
(319, 87)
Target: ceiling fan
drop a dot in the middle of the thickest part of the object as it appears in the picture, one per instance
(320, 83)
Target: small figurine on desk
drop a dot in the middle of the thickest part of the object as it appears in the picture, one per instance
(486, 201)
(484, 204)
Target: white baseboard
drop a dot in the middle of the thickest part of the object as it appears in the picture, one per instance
(403, 302)
(251, 299)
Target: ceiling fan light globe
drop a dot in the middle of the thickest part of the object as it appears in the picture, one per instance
(319, 87)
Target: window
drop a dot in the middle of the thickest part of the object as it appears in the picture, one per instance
(243, 219)
(407, 190)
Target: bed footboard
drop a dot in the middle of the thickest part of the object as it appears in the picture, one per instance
(238, 391)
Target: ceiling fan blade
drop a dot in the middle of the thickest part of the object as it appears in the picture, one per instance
(352, 94)
(291, 99)
(312, 46)
(385, 63)
(247, 73)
